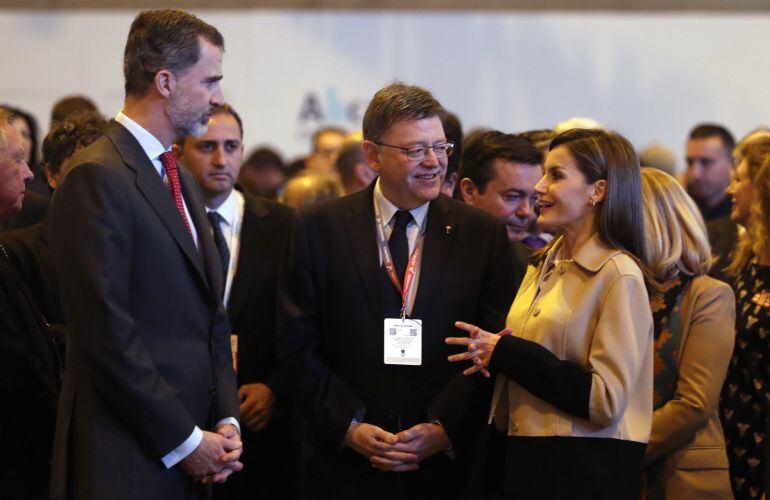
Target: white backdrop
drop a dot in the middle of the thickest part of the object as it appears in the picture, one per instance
(649, 76)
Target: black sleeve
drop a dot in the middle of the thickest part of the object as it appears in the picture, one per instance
(560, 383)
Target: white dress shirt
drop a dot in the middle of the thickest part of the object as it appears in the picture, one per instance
(416, 225)
(153, 149)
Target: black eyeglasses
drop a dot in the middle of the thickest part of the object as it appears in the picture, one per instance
(418, 153)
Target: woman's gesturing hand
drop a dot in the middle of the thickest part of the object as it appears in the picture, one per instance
(481, 344)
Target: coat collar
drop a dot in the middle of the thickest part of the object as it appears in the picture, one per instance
(439, 235)
(593, 254)
(150, 184)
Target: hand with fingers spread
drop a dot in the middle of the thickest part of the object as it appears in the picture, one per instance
(377, 444)
(215, 458)
(480, 343)
(257, 405)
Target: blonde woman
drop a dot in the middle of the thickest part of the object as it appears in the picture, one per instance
(746, 390)
(572, 405)
(694, 318)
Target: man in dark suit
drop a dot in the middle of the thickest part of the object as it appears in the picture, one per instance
(709, 160)
(388, 415)
(498, 173)
(28, 364)
(148, 354)
(252, 235)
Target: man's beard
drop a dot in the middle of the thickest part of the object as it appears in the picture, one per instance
(185, 121)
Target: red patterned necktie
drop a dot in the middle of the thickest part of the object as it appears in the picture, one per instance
(168, 161)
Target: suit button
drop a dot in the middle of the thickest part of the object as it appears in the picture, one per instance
(514, 426)
(536, 312)
(212, 391)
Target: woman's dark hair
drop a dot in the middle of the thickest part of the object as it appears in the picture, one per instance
(600, 154)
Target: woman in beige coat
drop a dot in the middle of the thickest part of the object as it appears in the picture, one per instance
(694, 319)
(572, 406)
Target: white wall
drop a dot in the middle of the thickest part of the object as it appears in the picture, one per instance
(649, 76)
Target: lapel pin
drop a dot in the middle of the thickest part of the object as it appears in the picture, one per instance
(448, 229)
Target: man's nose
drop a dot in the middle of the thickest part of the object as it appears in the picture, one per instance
(430, 157)
(26, 172)
(217, 99)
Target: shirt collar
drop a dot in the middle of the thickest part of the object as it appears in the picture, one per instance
(149, 143)
(388, 209)
(229, 208)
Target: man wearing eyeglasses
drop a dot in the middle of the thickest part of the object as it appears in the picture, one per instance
(379, 278)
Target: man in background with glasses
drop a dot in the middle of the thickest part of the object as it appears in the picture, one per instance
(379, 278)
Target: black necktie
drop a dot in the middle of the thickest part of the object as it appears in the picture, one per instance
(398, 244)
(215, 220)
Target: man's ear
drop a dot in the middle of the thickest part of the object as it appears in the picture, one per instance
(164, 82)
(468, 190)
(371, 154)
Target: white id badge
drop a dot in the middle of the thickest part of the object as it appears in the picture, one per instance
(403, 341)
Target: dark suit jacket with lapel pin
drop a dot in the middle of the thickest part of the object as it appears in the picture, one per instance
(334, 340)
(148, 353)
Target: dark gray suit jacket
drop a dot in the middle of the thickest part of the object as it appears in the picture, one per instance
(148, 353)
(333, 337)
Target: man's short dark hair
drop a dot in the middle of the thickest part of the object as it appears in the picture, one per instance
(541, 138)
(66, 136)
(350, 156)
(398, 102)
(453, 130)
(263, 159)
(70, 105)
(706, 130)
(163, 39)
(483, 148)
(224, 109)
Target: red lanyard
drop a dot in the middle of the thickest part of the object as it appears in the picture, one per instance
(411, 268)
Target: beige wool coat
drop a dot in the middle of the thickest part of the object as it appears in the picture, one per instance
(594, 311)
(686, 454)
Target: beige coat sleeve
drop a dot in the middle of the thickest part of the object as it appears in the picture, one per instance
(620, 347)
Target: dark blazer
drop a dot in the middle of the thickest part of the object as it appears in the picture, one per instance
(29, 252)
(148, 353)
(272, 457)
(29, 383)
(253, 304)
(334, 339)
(521, 254)
(33, 211)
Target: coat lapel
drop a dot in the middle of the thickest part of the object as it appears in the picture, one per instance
(363, 240)
(208, 253)
(439, 236)
(155, 192)
(254, 230)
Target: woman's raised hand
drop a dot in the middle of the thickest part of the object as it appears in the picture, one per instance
(480, 343)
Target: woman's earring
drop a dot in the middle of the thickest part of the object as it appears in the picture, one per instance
(593, 202)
